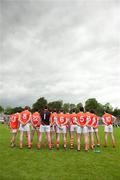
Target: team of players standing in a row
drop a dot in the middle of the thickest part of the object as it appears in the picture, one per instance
(51, 123)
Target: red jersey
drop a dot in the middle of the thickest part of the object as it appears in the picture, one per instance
(89, 119)
(107, 119)
(35, 119)
(73, 119)
(53, 118)
(67, 117)
(96, 119)
(25, 115)
(81, 119)
(14, 123)
(61, 119)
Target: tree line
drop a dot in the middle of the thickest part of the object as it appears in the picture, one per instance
(40, 103)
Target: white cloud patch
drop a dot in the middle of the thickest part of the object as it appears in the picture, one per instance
(60, 50)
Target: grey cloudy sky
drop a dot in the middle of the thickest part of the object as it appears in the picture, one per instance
(67, 50)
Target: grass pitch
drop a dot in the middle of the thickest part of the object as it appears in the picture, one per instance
(33, 164)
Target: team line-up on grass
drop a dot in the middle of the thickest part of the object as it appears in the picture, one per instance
(82, 123)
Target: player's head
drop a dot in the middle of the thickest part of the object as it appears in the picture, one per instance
(73, 110)
(81, 109)
(61, 110)
(54, 110)
(92, 111)
(87, 109)
(26, 108)
(46, 107)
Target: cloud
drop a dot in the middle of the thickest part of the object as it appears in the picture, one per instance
(61, 50)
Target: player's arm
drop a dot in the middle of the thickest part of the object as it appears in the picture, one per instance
(113, 119)
(32, 122)
(51, 123)
(19, 119)
(76, 122)
(93, 121)
(65, 122)
(87, 121)
(29, 119)
(103, 119)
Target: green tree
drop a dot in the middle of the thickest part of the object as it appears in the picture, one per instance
(66, 107)
(91, 104)
(78, 106)
(72, 106)
(1, 109)
(55, 105)
(9, 110)
(116, 112)
(100, 109)
(108, 108)
(39, 104)
(17, 109)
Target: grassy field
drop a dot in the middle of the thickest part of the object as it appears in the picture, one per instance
(44, 164)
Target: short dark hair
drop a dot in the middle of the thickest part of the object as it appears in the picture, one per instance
(81, 109)
(92, 111)
(87, 109)
(45, 107)
(73, 110)
(26, 108)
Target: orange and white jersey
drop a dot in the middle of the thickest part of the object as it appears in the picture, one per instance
(108, 119)
(73, 119)
(81, 119)
(53, 118)
(96, 119)
(35, 119)
(90, 119)
(14, 123)
(25, 116)
(61, 119)
(67, 117)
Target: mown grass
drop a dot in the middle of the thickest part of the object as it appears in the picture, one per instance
(44, 164)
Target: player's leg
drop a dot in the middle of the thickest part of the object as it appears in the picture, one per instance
(64, 131)
(52, 135)
(71, 136)
(105, 139)
(29, 139)
(112, 135)
(41, 130)
(91, 137)
(37, 131)
(78, 138)
(13, 138)
(57, 137)
(39, 140)
(113, 139)
(106, 131)
(92, 140)
(86, 137)
(32, 135)
(21, 139)
(48, 136)
(97, 137)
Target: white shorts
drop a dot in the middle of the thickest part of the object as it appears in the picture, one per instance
(13, 131)
(73, 128)
(52, 128)
(90, 129)
(35, 128)
(24, 127)
(95, 129)
(61, 129)
(108, 128)
(81, 130)
(44, 128)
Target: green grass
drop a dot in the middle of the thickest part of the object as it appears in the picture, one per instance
(44, 164)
